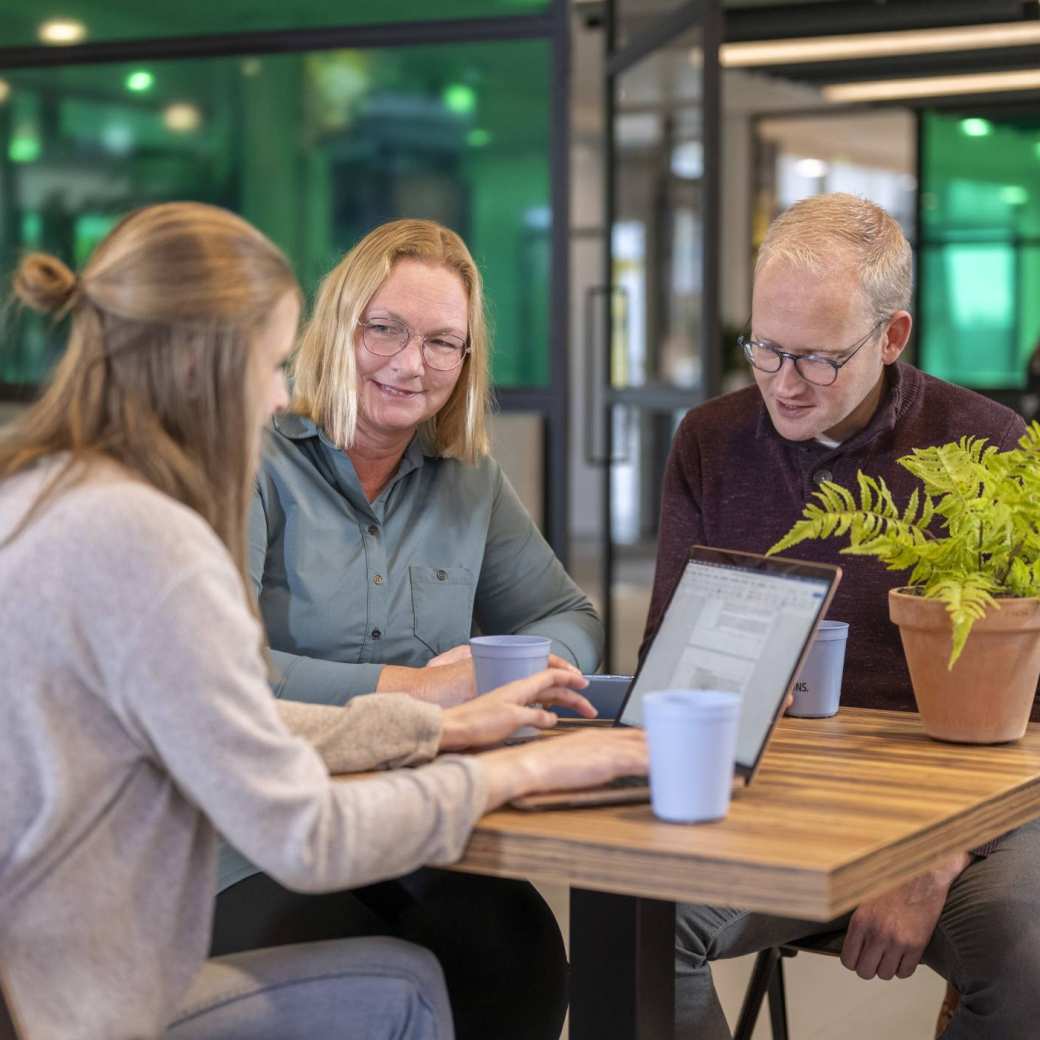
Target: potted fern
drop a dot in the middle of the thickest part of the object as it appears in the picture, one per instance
(970, 540)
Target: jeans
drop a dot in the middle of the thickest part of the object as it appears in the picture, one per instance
(986, 943)
(379, 989)
(497, 941)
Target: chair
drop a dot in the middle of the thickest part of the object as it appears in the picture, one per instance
(767, 980)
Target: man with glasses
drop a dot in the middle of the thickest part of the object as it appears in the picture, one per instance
(829, 321)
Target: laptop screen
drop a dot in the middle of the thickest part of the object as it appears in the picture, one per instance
(740, 623)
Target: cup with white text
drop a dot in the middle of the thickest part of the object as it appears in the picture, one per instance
(817, 690)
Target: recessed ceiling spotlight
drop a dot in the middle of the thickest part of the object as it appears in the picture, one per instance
(181, 117)
(62, 31)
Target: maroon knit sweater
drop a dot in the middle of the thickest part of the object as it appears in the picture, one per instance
(734, 483)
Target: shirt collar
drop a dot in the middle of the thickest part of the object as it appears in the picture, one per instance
(299, 428)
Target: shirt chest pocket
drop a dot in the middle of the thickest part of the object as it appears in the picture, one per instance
(442, 605)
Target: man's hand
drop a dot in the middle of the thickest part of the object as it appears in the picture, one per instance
(887, 936)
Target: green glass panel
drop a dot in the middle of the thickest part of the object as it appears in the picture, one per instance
(315, 149)
(21, 21)
(980, 210)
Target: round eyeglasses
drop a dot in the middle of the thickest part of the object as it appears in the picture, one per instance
(442, 351)
(813, 368)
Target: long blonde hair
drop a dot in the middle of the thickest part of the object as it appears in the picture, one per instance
(821, 230)
(159, 374)
(325, 383)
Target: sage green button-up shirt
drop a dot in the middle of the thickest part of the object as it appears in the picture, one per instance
(347, 586)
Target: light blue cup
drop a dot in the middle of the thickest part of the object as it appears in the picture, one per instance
(817, 691)
(498, 660)
(692, 735)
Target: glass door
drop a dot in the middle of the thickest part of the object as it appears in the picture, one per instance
(652, 336)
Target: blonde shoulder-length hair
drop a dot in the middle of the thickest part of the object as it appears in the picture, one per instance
(325, 382)
(161, 374)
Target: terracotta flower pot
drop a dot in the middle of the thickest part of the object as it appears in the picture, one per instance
(987, 696)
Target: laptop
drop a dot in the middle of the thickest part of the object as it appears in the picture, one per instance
(735, 621)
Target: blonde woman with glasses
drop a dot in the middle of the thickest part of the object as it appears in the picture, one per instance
(382, 533)
(136, 718)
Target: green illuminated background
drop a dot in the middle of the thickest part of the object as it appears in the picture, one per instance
(315, 148)
(979, 261)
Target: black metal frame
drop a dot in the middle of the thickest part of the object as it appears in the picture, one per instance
(835, 17)
(706, 15)
(622, 980)
(549, 403)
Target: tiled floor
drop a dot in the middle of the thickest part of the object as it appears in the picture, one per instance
(824, 1001)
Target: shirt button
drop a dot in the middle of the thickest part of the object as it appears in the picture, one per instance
(822, 475)
(442, 575)
(372, 529)
(376, 634)
(378, 579)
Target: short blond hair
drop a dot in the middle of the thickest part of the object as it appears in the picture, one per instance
(819, 233)
(325, 383)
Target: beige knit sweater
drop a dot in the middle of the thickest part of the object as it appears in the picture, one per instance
(135, 718)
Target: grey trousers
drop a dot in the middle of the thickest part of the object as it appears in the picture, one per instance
(350, 989)
(987, 943)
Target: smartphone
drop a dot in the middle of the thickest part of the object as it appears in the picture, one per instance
(606, 693)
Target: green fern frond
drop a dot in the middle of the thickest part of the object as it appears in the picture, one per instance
(838, 514)
(967, 598)
(1029, 442)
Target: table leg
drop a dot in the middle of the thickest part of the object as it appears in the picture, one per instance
(622, 967)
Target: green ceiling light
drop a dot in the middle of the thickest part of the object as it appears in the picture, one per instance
(478, 138)
(975, 127)
(1014, 195)
(140, 81)
(24, 148)
(459, 98)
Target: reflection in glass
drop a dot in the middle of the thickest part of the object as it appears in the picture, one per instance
(980, 266)
(315, 149)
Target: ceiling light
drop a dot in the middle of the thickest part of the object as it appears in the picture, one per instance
(459, 98)
(975, 127)
(811, 168)
(5, 90)
(24, 147)
(180, 117)
(1014, 195)
(933, 86)
(879, 45)
(62, 31)
(140, 81)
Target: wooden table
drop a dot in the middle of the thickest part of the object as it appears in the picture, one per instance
(841, 810)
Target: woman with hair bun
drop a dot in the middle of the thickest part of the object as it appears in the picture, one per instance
(135, 714)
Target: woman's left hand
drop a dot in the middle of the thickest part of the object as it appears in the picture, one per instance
(494, 716)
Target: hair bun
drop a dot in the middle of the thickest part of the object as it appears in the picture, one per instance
(44, 283)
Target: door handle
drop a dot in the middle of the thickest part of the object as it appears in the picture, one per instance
(599, 411)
